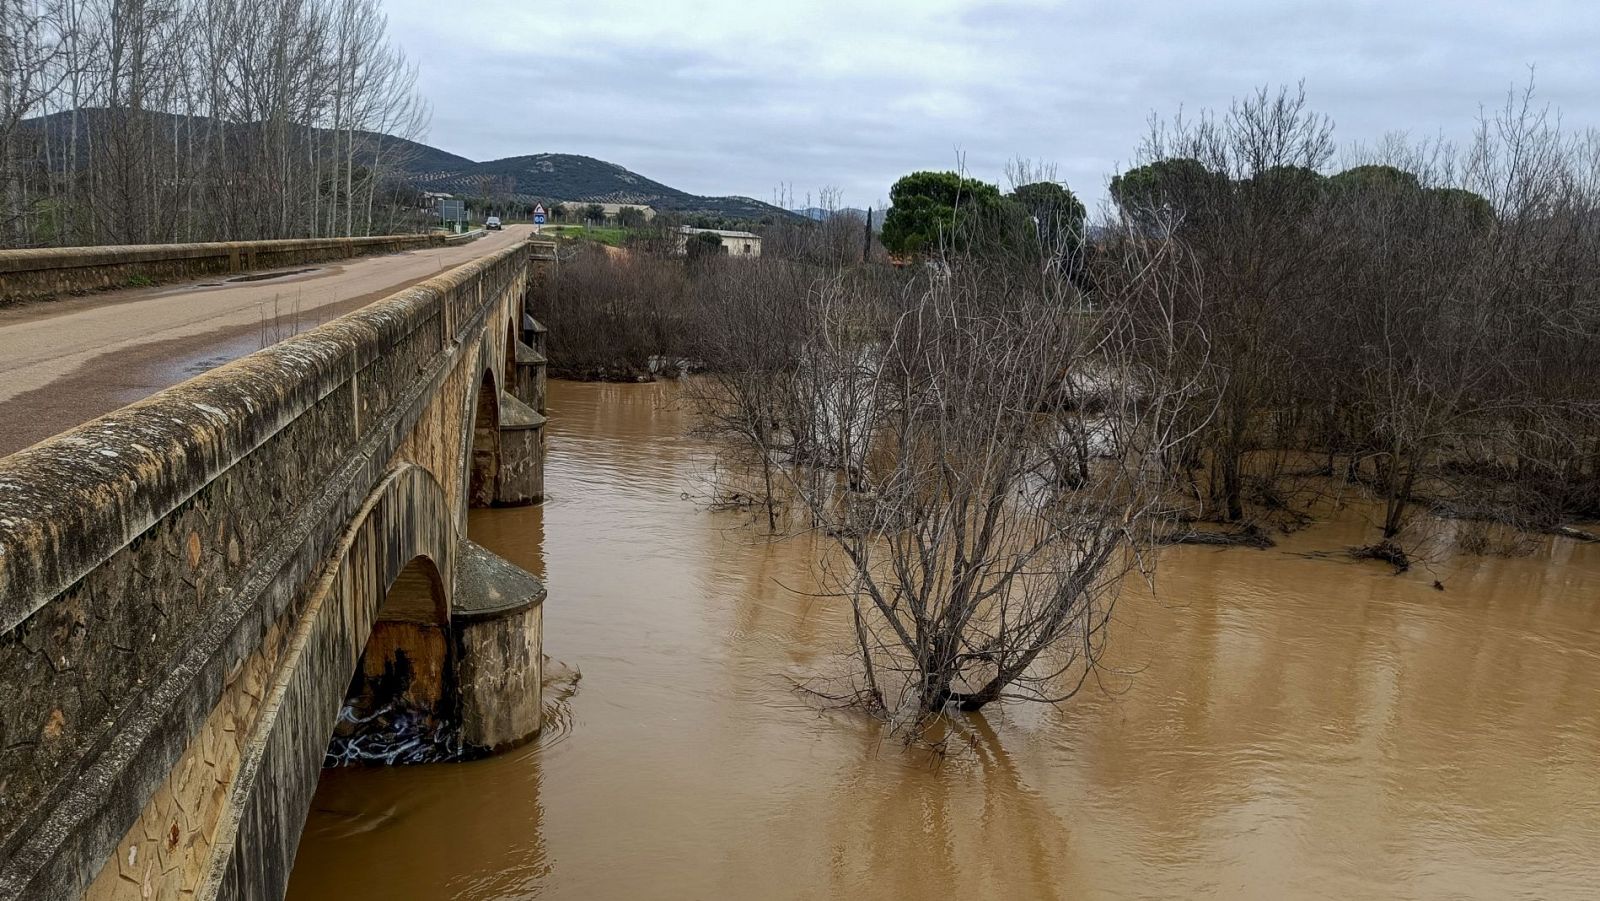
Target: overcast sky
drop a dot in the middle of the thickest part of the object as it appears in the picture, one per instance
(742, 96)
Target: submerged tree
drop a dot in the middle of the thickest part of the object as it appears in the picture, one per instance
(984, 459)
(749, 329)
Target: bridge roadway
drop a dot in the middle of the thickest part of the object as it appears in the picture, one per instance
(66, 361)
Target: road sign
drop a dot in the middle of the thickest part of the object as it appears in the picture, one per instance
(538, 214)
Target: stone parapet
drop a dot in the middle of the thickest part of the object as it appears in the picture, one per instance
(44, 272)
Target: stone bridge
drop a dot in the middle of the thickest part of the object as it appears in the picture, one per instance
(195, 590)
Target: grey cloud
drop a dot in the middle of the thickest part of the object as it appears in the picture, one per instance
(854, 101)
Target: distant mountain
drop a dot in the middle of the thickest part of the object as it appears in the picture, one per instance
(818, 214)
(421, 157)
(58, 126)
(575, 179)
(546, 177)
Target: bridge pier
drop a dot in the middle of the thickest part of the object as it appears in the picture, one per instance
(519, 478)
(500, 612)
(433, 688)
(530, 385)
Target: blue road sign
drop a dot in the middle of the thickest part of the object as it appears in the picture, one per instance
(538, 214)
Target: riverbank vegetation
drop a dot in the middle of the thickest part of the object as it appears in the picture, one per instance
(982, 456)
(1424, 323)
(612, 236)
(1421, 324)
(995, 437)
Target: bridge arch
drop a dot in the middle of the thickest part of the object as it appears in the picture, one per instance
(483, 469)
(419, 593)
(508, 372)
(503, 440)
(385, 589)
(403, 704)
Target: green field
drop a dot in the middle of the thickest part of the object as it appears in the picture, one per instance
(614, 236)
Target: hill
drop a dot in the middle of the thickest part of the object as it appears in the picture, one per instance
(91, 120)
(545, 177)
(575, 179)
(818, 214)
(417, 157)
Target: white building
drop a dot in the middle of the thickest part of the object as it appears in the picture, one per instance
(734, 244)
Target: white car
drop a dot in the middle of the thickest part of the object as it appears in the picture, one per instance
(492, 223)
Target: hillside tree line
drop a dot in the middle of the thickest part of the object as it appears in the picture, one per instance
(147, 121)
(1424, 323)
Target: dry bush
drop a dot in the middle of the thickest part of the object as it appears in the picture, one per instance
(1492, 539)
(982, 451)
(838, 238)
(610, 316)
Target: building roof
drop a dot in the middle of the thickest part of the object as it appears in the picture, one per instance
(717, 231)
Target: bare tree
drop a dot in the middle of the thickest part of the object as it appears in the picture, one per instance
(32, 37)
(1245, 209)
(161, 120)
(1421, 315)
(983, 453)
(749, 328)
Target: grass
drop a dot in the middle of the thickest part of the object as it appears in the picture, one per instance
(614, 236)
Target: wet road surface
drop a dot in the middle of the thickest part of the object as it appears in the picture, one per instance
(66, 361)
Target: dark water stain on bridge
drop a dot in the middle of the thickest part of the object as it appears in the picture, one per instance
(1284, 726)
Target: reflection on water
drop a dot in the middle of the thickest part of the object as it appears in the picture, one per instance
(1278, 726)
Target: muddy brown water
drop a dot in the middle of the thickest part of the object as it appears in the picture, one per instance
(1279, 725)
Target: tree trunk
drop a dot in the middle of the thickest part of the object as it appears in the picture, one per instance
(1398, 499)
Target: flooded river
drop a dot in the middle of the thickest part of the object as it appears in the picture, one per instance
(1280, 725)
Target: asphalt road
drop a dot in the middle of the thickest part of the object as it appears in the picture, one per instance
(64, 362)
